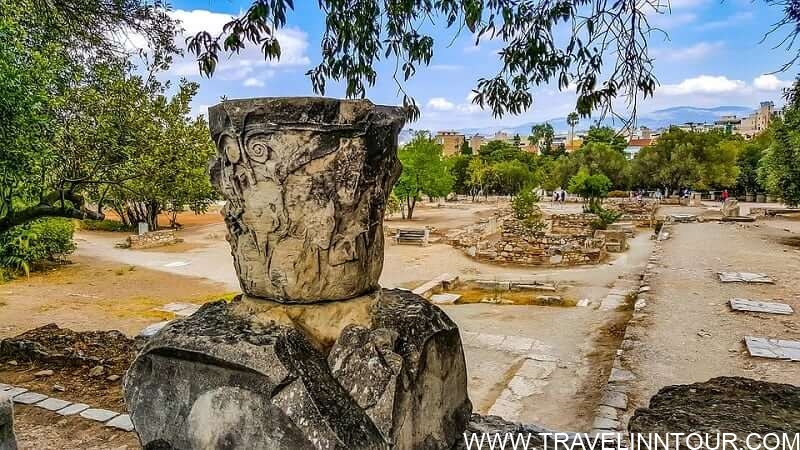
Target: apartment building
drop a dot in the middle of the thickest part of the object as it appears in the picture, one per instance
(450, 141)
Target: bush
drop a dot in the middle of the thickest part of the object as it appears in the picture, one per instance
(103, 225)
(24, 246)
(605, 217)
(527, 211)
(618, 194)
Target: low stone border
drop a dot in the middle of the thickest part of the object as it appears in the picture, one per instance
(613, 406)
(66, 408)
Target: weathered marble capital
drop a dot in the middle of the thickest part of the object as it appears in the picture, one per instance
(306, 181)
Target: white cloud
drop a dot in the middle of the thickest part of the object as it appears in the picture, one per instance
(666, 20)
(253, 82)
(248, 63)
(440, 104)
(694, 52)
(770, 83)
(729, 21)
(703, 84)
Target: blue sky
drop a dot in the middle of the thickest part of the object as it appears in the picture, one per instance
(712, 56)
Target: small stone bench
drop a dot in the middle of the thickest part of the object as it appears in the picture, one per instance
(412, 236)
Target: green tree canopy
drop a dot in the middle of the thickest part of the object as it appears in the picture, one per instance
(542, 136)
(605, 135)
(699, 160)
(424, 172)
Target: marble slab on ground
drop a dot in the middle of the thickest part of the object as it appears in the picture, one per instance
(73, 409)
(99, 415)
(122, 422)
(14, 391)
(53, 404)
(744, 304)
(444, 299)
(773, 348)
(29, 398)
(744, 277)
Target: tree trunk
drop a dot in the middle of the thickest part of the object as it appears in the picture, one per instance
(411, 202)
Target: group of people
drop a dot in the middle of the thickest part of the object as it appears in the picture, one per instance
(559, 196)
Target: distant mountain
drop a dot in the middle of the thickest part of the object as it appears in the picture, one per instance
(656, 119)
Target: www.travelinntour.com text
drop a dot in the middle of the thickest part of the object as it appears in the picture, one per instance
(632, 441)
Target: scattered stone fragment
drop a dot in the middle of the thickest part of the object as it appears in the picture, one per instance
(112, 378)
(8, 441)
(43, 373)
(773, 348)
(614, 399)
(122, 422)
(620, 375)
(12, 363)
(743, 304)
(73, 409)
(14, 391)
(744, 277)
(59, 388)
(53, 404)
(97, 414)
(704, 333)
(97, 371)
(602, 423)
(29, 398)
(444, 299)
(583, 303)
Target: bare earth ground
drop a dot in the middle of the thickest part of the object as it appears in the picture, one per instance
(687, 299)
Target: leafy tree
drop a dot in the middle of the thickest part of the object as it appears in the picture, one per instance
(780, 167)
(513, 176)
(748, 160)
(688, 159)
(358, 34)
(458, 165)
(466, 149)
(602, 158)
(424, 172)
(482, 177)
(517, 140)
(542, 136)
(527, 211)
(605, 135)
(590, 187)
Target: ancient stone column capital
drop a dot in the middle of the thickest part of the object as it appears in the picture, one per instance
(306, 180)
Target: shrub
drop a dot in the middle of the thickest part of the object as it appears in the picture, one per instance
(103, 225)
(605, 217)
(618, 194)
(527, 211)
(24, 246)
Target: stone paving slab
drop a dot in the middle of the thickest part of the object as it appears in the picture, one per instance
(53, 404)
(444, 299)
(29, 398)
(773, 348)
(73, 409)
(744, 304)
(744, 277)
(99, 415)
(122, 422)
(614, 399)
(14, 391)
(4, 387)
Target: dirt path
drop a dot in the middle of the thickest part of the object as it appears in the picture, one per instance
(689, 334)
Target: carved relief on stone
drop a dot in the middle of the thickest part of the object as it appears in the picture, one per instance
(306, 181)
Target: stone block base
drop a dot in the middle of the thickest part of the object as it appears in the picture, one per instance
(251, 374)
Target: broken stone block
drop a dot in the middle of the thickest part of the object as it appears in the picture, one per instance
(730, 208)
(8, 441)
(306, 182)
(725, 404)
(225, 377)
